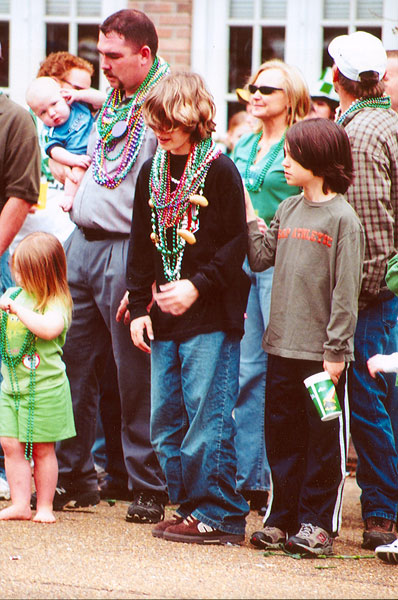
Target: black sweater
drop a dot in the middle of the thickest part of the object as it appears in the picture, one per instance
(213, 264)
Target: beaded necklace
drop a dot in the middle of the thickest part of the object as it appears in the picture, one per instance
(254, 185)
(381, 102)
(12, 360)
(175, 214)
(117, 120)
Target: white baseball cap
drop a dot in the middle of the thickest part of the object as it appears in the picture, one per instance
(358, 52)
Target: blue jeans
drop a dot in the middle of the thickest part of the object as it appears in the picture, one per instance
(194, 386)
(371, 430)
(253, 468)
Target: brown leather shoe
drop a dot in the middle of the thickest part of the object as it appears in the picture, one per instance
(192, 531)
(161, 527)
(378, 531)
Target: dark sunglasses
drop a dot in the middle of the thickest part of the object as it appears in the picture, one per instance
(265, 90)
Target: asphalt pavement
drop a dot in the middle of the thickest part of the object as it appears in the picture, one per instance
(95, 553)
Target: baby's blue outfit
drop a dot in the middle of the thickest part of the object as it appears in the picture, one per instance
(73, 134)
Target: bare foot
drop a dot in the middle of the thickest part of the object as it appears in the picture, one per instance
(13, 512)
(44, 516)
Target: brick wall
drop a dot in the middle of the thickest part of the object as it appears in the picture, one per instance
(173, 22)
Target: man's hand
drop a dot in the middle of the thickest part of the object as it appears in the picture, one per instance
(137, 329)
(60, 171)
(176, 297)
(122, 311)
(334, 369)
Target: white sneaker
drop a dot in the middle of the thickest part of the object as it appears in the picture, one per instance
(388, 552)
(4, 489)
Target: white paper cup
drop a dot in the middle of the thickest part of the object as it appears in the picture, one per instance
(324, 396)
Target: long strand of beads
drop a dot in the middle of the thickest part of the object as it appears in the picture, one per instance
(254, 185)
(174, 211)
(380, 102)
(115, 121)
(12, 360)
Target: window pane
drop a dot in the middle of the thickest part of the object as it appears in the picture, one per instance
(370, 9)
(57, 8)
(241, 9)
(4, 64)
(89, 8)
(240, 52)
(273, 43)
(329, 33)
(336, 9)
(57, 37)
(4, 6)
(373, 30)
(87, 48)
(273, 9)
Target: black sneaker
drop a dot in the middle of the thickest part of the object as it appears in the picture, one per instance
(145, 508)
(109, 490)
(62, 497)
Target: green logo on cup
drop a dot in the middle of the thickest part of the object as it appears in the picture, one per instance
(324, 396)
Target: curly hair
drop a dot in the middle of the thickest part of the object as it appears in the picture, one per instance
(57, 64)
(181, 100)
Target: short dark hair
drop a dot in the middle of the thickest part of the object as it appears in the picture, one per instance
(135, 27)
(323, 147)
(369, 85)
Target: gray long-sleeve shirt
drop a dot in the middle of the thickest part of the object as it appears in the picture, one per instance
(317, 249)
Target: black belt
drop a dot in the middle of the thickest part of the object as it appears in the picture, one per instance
(93, 235)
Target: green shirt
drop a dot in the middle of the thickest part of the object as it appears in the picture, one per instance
(274, 188)
(50, 368)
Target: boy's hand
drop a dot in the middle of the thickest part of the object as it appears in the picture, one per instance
(176, 297)
(334, 369)
(375, 364)
(138, 327)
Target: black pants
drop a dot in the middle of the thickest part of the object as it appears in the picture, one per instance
(307, 456)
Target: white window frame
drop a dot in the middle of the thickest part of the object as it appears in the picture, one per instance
(27, 44)
(303, 41)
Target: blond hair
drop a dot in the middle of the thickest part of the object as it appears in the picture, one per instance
(40, 262)
(294, 85)
(181, 100)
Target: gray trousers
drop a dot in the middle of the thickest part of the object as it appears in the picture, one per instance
(96, 276)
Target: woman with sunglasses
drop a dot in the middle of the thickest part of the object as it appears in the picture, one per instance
(279, 98)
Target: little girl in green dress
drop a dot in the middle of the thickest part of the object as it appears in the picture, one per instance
(35, 401)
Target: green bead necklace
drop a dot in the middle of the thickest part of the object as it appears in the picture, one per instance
(254, 185)
(12, 360)
(175, 214)
(380, 102)
(116, 121)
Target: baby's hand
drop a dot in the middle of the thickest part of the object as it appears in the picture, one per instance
(82, 160)
(66, 203)
(375, 364)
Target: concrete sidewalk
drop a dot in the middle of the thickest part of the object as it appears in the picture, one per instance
(95, 553)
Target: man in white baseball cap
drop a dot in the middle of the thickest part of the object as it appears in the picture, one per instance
(371, 125)
(357, 53)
